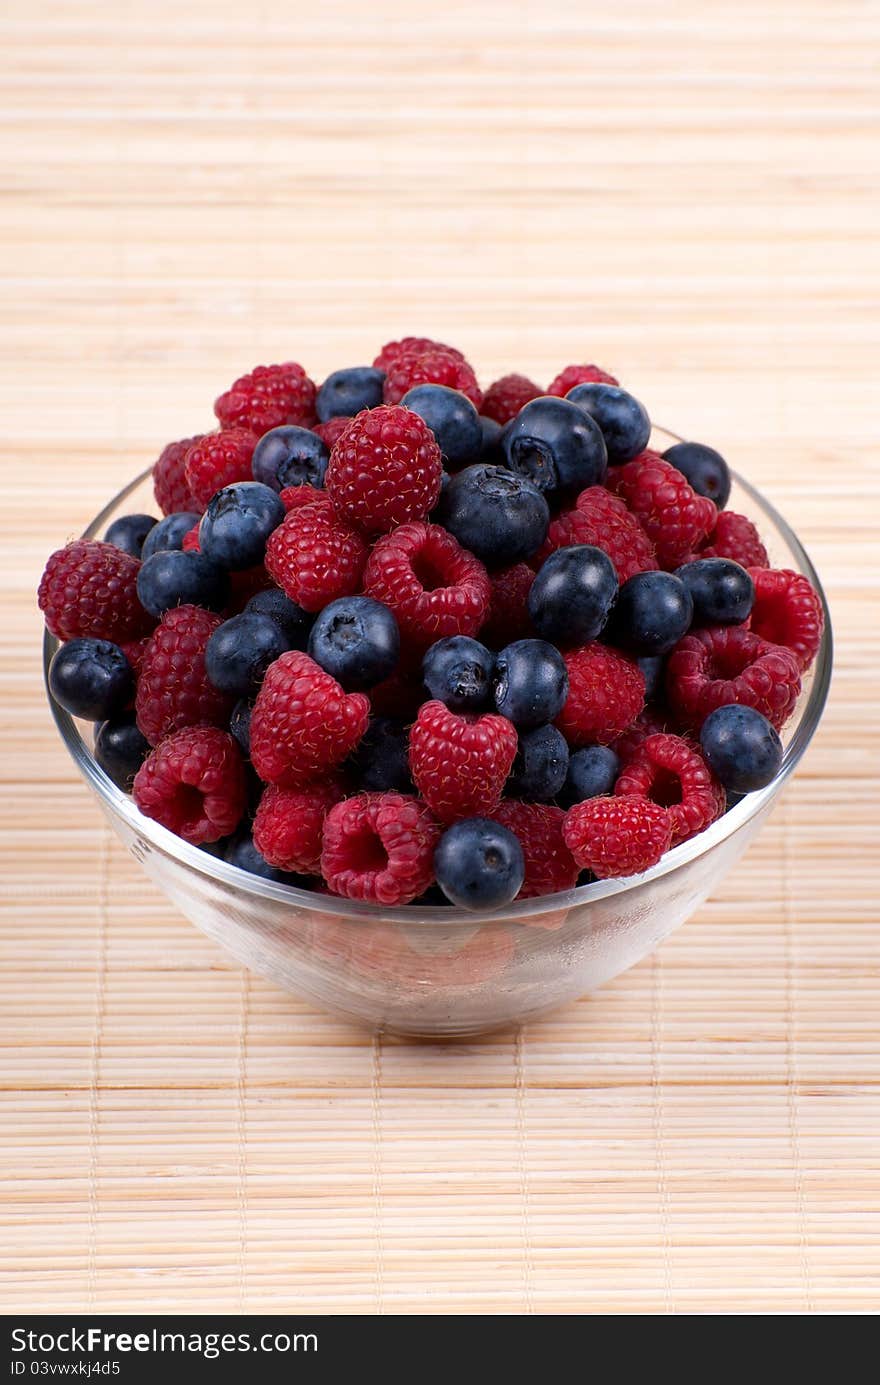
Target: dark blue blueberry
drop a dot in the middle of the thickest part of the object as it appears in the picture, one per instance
(652, 668)
(540, 766)
(479, 864)
(530, 684)
(169, 533)
(345, 392)
(572, 594)
(129, 531)
(742, 748)
(592, 772)
(290, 456)
(92, 679)
(235, 528)
(556, 445)
(499, 516)
(181, 579)
(705, 469)
(240, 725)
(240, 650)
(357, 641)
(380, 764)
(623, 421)
(294, 621)
(452, 419)
(723, 593)
(458, 671)
(120, 749)
(240, 851)
(491, 449)
(653, 611)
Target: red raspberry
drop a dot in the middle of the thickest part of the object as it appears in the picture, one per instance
(392, 351)
(672, 773)
(722, 664)
(173, 689)
(606, 693)
(649, 722)
(191, 540)
(134, 651)
(245, 584)
(267, 397)
(384, 470)
(289, 824)
(579, 375)
(303, 723)
(671, 513)
(90, 588)
(297, 497)
(787, 611)
(331, 431)
(433, 367)
(603, 521)
(736, 537)
(217, 460)
(314, 557)
(550, 866)
(504, 399)
(433, 585)
(193, 784)
(379, 847)
(460, 762)
(508, 618)
(398, 696)
(617, 836)
(170, 485)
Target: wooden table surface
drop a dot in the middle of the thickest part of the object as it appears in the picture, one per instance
(685, 193)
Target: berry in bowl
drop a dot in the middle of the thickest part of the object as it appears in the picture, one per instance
(437, 707)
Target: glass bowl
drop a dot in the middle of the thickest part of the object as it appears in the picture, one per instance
(440, 972)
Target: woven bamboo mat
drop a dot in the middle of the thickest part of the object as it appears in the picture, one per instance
(685, 193)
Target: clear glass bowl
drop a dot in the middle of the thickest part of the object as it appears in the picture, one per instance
(439, 972)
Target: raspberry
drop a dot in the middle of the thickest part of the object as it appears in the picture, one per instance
(314, 557)
(603, 521)
(191, 540)
(267, 397)
(617, 836)
(303, 723)
(736, 537)
(392, 351)
(649, 722)
(787, 611)
(550, 866)
(297, 497)
(460, 762)
(579, 375)
(193, 784)
(289, 824)
(433, 585)
(331, 431)
(432, 367)
(170, 485)
(399, 696)
(384, 470)
(217, 460)
(504, 399)
(606, 693)
(134, 651)
(673, 516)
(721, 664)
(173, 689)
(379, 847)
(90, 588)
(670, 772)
(508, 617)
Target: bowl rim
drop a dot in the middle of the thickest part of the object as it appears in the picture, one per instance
(168, 844)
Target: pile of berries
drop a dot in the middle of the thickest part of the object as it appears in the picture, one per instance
(399, 640)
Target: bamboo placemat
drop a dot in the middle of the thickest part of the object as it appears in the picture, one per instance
(683, 192)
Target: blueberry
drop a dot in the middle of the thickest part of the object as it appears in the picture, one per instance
(556, 445)
(380, 763)
(705, 469)
(479, 864)
(294, 621)
(92, 679)
(290, 456)
(129, 531)
(240, 725)
(452, 419)
(120, 749)
(530, 683)
(592, 771)
(357, 641)
(540, 766)
(499, 516)
(169, 533)
(458, 671)
(490, 447)
(240, 650)
(742, 748)
(240, 851)
(652, 669)
(653, 611)
(572, 595)
(236, 526)
(345, 392)
(723, 593)
(623, 421)
(181, 579)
